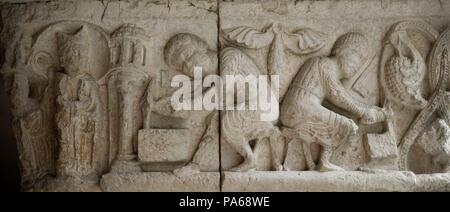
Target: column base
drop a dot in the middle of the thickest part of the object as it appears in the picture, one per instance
(121, 165)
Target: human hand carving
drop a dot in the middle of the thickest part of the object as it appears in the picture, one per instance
(351, 126)
(373, 115)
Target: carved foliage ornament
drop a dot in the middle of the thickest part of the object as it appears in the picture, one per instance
(300, 42)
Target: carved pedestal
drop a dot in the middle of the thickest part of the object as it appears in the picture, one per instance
(130, 89)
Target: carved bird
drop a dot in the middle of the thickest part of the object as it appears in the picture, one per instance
(404, 75)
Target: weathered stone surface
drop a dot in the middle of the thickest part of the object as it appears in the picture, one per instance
(133, 95)
(98, 80)
(161, 181)
(172, 149)
(311, 181)
(380, 148)
(333, 19)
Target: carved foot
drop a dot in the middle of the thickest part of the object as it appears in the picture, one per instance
(126, 166)
(279, 168)
(245, 167)
(329, 167)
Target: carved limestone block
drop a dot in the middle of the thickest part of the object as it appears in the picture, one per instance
(82, 90)
(380, 146)
(134, 95)
(388, 87)
(163, 145)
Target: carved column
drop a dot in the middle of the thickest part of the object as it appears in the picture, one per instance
(129, 75)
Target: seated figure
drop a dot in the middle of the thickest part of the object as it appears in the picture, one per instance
(318, 80)
(183, 53)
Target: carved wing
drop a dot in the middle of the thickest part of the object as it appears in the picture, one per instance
(305, 41)
(248, 37)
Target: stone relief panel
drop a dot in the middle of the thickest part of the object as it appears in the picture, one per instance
(361, 98)
(92, 95)
(354, 95)
(70, 120)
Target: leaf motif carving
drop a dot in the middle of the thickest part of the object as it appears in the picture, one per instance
(305, 41)
(249, 37)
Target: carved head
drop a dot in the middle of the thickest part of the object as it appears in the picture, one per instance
(351, 51)
(74, 51)
(186, 51)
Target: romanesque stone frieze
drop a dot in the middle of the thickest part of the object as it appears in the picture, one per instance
(135, 96)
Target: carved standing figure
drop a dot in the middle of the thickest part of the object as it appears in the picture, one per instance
(35, 143)
(78, 106)
(28, 90)
(318, 80)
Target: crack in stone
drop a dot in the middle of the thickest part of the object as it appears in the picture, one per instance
(385, 4)
(202, 8)
(26, 3)
(105, 8)
(169, 5)
(441, 4)
(221, 179)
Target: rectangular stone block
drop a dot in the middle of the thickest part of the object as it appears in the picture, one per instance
(161, 182)
(381, 146)
(310, 181)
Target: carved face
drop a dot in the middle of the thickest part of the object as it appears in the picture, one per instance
(350, 63)
(74, 51)
(84, 92)
(71, 61)
(184, 52)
